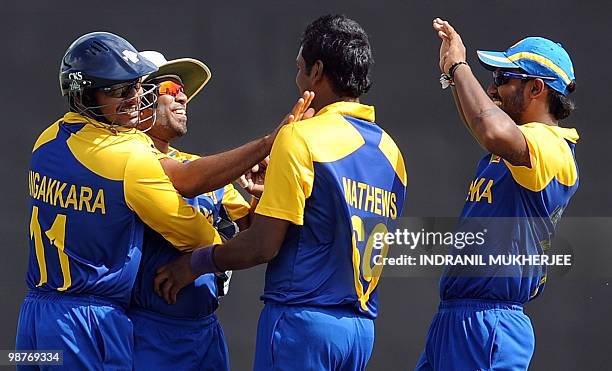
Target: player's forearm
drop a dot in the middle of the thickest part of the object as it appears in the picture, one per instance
(460, 110)
(215, 171)
(484, 119)
(254, 202)
(219, 258)
(244, 251)
(257, 245)
(244, 223)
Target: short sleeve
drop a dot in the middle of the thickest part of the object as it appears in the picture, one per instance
(233, 202)
(149, 192)
(551, 157)
(289, 177)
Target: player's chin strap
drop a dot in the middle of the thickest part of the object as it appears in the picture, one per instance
(146, 100)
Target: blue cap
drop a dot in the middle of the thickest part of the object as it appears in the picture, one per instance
(536, 56)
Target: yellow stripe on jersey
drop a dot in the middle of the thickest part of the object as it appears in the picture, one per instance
(551, 157)
(48, 135)
(233, 202)
(393, 154)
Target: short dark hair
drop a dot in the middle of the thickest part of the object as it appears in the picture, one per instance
(343, 47)
(559, 105)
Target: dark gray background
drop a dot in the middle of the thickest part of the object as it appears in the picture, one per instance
(251, 48)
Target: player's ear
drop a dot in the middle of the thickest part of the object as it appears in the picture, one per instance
(538, 87)
(316, 72)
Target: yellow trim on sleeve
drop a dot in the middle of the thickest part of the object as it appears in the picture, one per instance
(393, 154)
(297, 219)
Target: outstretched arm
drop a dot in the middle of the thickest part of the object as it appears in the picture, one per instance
(257, 245)
(212, 172)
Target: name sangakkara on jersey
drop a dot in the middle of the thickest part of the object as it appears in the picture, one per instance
(65, 195)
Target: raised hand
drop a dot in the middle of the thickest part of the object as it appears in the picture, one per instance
(452, 49)
(301, 110)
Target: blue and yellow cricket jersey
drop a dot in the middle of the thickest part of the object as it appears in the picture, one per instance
(199, 298)
(92, 191)
(339, 179)
(518, 207)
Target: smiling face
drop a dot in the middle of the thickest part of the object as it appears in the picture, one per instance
(119, 103)
(510, 97)
(171, 121)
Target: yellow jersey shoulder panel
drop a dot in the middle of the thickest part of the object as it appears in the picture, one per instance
(46, 136)
(106, 153)
(321, 134)
(393, 154)
(551, 157)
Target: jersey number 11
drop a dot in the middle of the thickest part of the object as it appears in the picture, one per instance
(56, 235)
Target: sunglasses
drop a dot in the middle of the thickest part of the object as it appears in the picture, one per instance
(502, 77)
(122, 90)
(170, 87)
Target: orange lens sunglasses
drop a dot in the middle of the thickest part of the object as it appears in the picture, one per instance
(170, 88)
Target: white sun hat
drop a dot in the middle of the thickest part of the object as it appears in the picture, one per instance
(192, 72)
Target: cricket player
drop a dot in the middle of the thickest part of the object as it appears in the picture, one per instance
(520, 190)
(95, 181)
(333, 181)
(187, 335)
